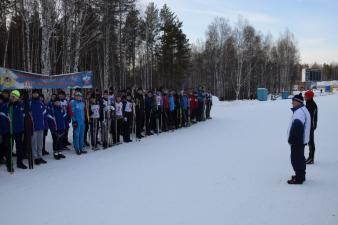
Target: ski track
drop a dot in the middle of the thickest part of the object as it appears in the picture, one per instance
(231, 170)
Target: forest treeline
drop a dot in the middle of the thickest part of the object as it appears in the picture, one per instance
(125, 45)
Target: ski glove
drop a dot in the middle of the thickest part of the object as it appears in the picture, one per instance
(75, 124)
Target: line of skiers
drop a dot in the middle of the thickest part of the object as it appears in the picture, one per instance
(103, 116)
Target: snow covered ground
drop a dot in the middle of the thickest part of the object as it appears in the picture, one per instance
(231, 170)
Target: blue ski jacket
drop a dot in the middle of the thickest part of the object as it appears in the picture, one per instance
(78, 109)
(171, 103)
(56, 118)
(185, 102)
(38, 113)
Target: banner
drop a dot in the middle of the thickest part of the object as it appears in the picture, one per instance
(15, 79)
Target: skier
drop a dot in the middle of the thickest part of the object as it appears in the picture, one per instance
(208, 104)
(149, 102)
(193, 106)
(4, 126)
(298, 137)
(64, 105)
(94, 115)
(56, 124)
(28, 129)
(77, 108)
(45, 131)
(117, 128)
(178, 110)
(185, 109)
(313, 110)
(85, 101)
(2, 143)
(127, 117)
(38, 111)
(105, 110)
(16, 115)
(12, 127)
(165, 114)
(139, 108)
(172, 111)
(159, 110)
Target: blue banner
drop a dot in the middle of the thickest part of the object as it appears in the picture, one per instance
(15, 79)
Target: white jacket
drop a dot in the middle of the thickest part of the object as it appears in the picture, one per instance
(303, 115)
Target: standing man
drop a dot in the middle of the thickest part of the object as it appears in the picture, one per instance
(117, 128)
(16, 116)
(149, 102)
(94, 115)
(298, 137)
(185, 109)
(78, 121)
(4, 125)
(139, 108)
(105, 118)
(313, 110)
(2, 149)
(64, 105)
(200, 98)
(208, 104)
(56, 123)
(38, 112)
(159, 109)
(127, 118)
(45, 132)
(172, 111)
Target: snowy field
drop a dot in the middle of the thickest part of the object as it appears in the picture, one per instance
(231, 170)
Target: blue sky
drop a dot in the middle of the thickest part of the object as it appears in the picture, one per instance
(313, 22)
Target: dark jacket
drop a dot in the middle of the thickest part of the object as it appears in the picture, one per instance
(4, 119)
(139, 103)
(148, 104)
(56, 118)
(17, 118)
(313, 110)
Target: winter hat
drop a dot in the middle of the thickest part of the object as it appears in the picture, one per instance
(298, 98)
(15, 93)
(35, 91)
(309, 94)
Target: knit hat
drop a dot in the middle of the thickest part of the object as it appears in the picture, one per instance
(299, 98)
(309, 94)
(15, 93)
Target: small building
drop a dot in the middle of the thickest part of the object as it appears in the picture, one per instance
(311, 75)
